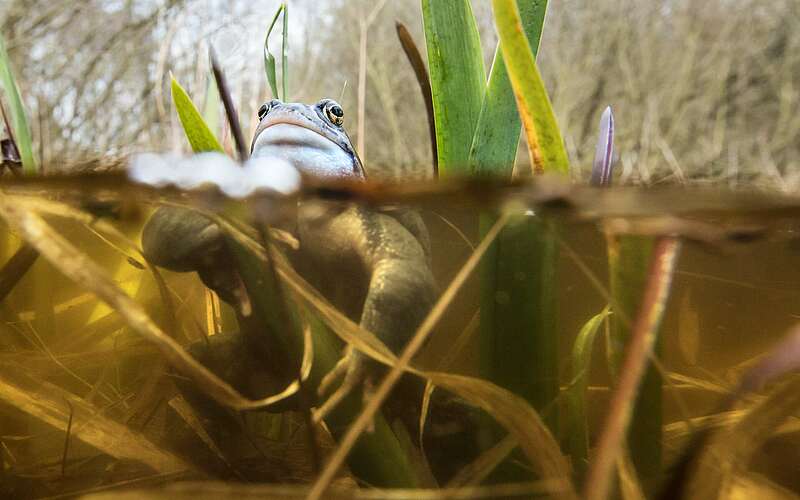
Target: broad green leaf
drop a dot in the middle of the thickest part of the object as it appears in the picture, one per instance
(578, 427)
(518, 317)
(545, 144)
(519, 341)
(494, 146)
(457, 79)
(197, 132)
(19, 121)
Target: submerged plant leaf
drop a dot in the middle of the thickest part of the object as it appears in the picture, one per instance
(193, 421)
(729, 451)
(19, 121)
(518, 318)
(340, 490)
(713, 460)
(51, 405)
(519, 334)
(200, 137)
(545, 144)
(511, 411)
(80, 268)
(517, 416)
(578, 426)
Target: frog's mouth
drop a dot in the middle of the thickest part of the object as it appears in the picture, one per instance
(306, 149)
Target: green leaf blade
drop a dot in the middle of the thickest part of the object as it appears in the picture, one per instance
(578, 427)
(545, 143)
(19, 120)
(494, 146)
(200, 137)
(269, 60)
(457, 79)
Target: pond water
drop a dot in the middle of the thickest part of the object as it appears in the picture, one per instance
(86, 403)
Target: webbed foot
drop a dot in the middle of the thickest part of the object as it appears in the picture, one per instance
(351, 369)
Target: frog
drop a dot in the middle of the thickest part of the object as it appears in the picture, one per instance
(373, 264)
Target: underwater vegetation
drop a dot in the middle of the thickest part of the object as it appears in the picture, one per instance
(192, 327)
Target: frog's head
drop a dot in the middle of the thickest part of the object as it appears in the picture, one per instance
(311, 138)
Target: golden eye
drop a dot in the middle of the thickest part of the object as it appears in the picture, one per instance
(334, 113)
(266, 107)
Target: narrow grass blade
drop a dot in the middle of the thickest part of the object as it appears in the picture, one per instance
(546, 146)
(284, 53)
(424, 82)
(457, 79)
(640, 347)
(200, 137)
(269, 60)
(51, 404)
(19, 120)
(577, 426)
(230, 110)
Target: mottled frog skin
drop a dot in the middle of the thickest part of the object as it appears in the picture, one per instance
(372, 264)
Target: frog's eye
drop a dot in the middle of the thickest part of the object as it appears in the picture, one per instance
(334, 113)
(262, 111)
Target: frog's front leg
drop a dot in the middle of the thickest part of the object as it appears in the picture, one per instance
(361, 243)
(181, 239)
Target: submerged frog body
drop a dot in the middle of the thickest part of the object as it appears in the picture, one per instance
(372, 264)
